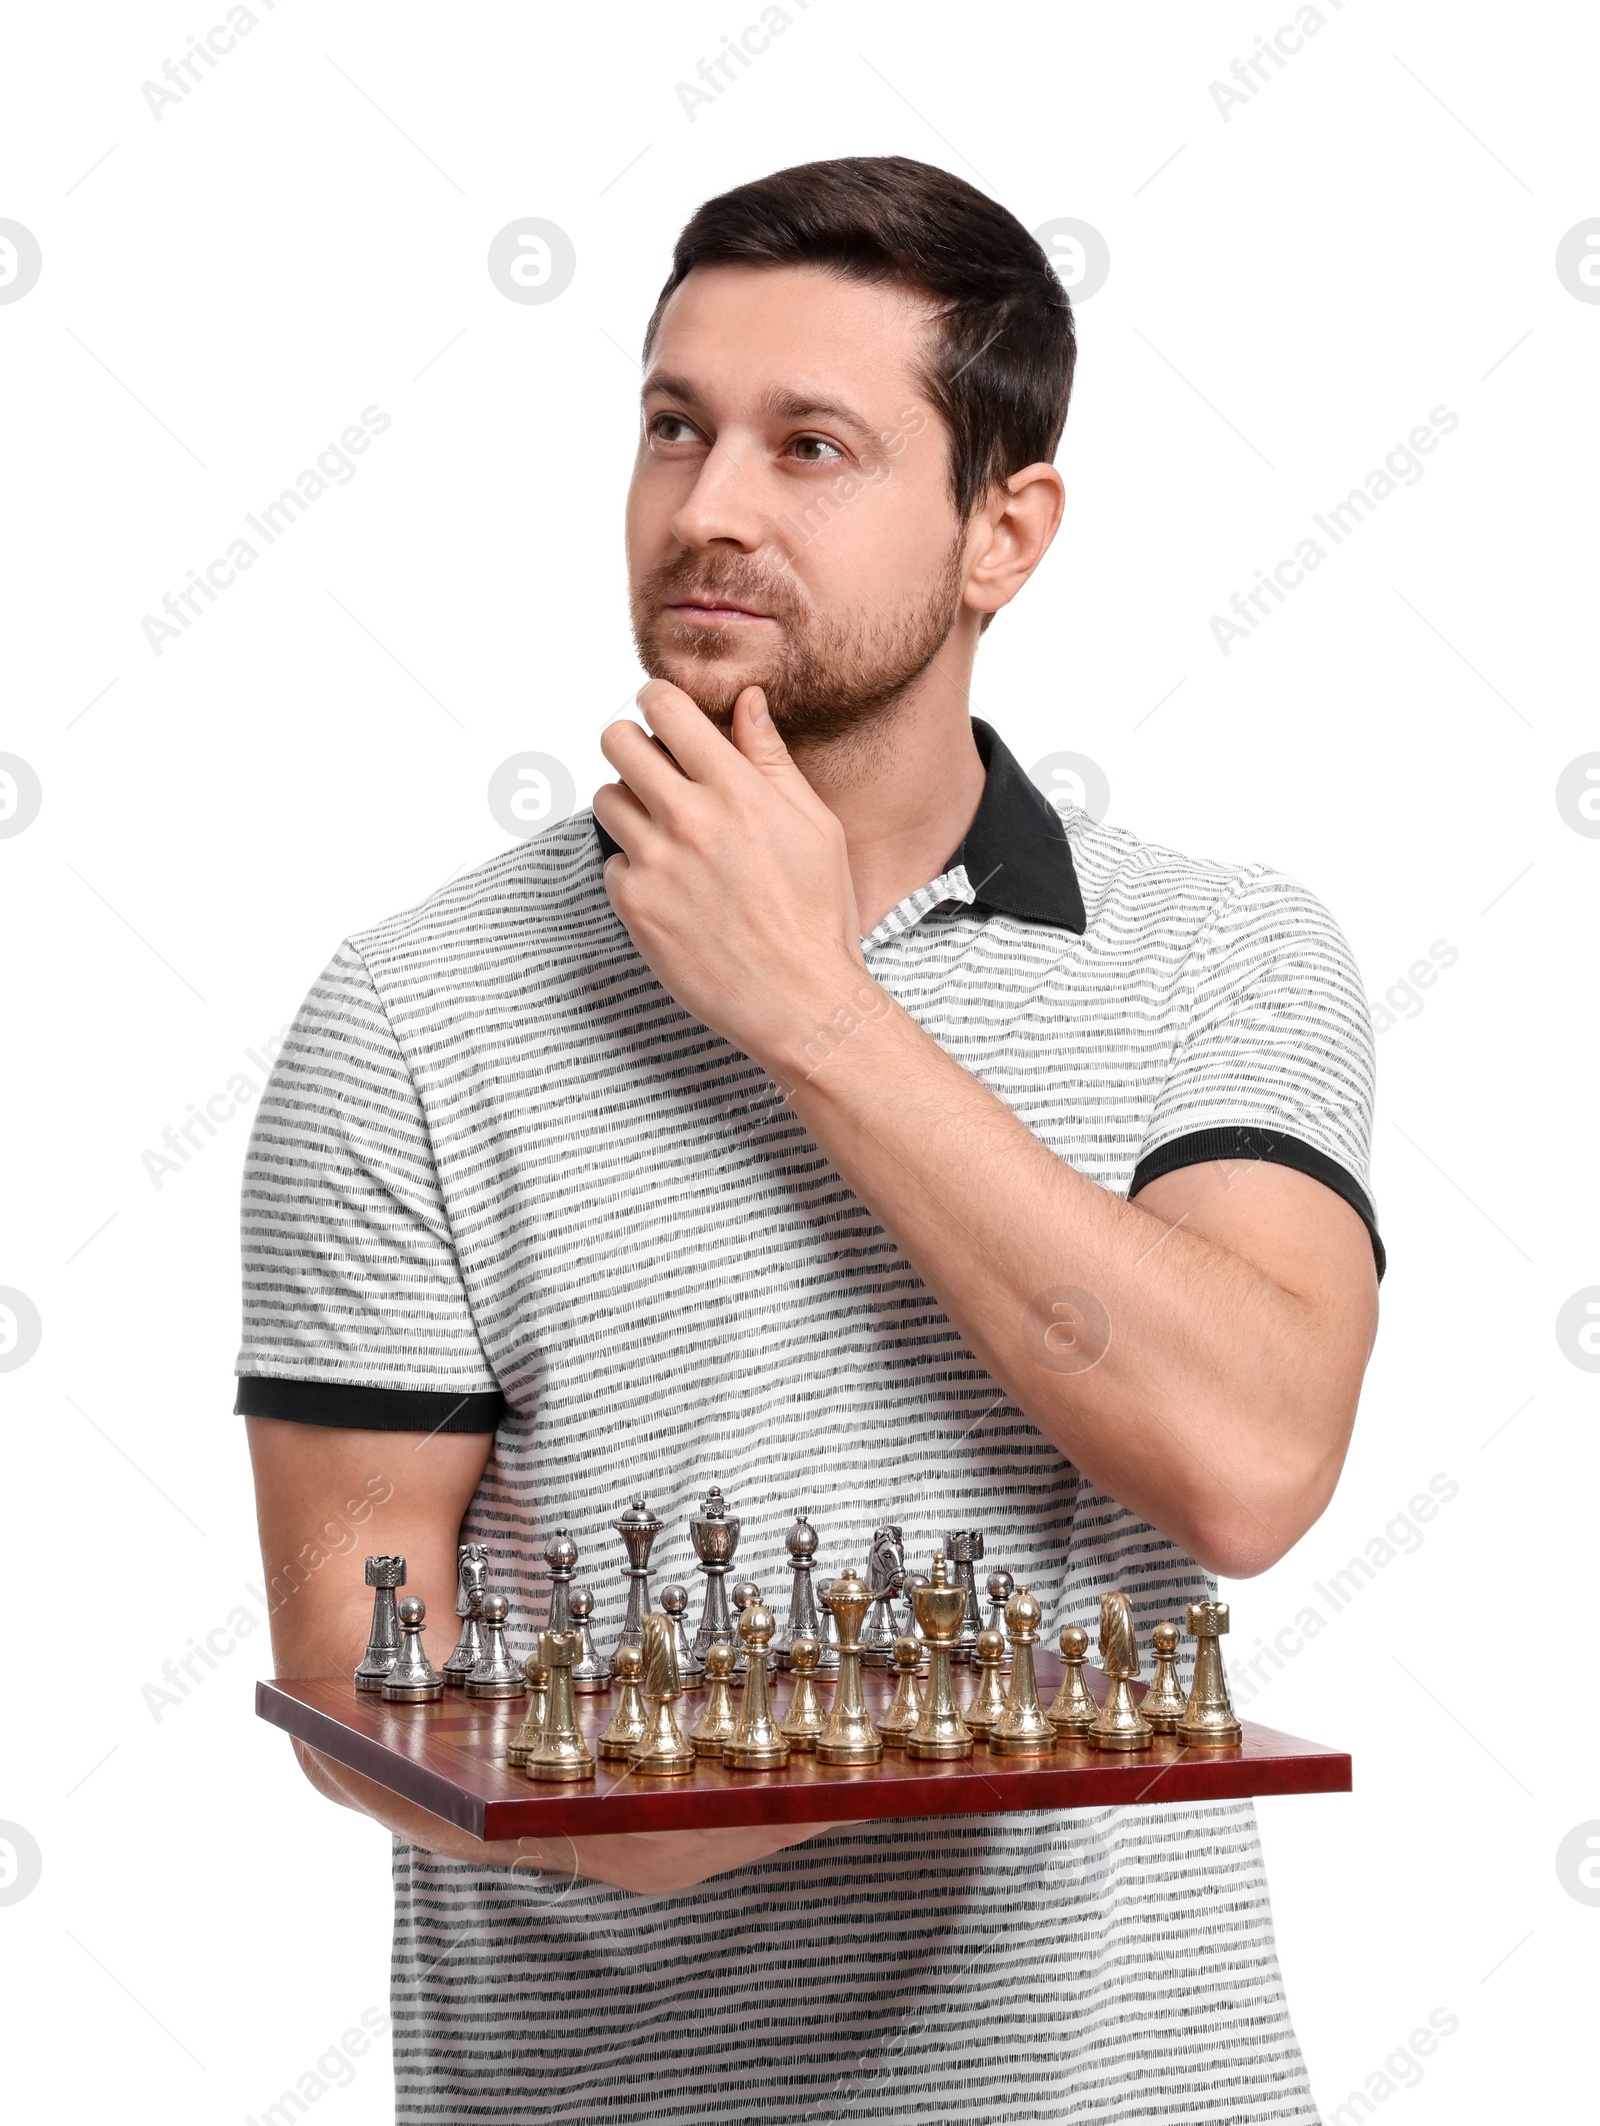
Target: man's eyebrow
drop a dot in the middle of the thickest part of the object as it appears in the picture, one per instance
(781, 404)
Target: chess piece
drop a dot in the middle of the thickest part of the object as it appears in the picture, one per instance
(827, 1635)
(496, 1675)
(662, 1752)
(630, 1721)
(1208, 1718)
(715, 1534)
(989, 1699)
(805, 1719)
(538, 1680)
(756, 1746)
(691, 1669)
(413, 1679)
(713, 1731)
(589, 1672)
(472, 1581)
(914, 1580)
(906, 1710)
(638, 1528)
(849, 1736)
(1119, 1724)
(940, 1730)
(1022, 1729)
(801, 1623)
(561, 1556)
(1001, 1587)
(1163, 1703)
(963, 1549)
(560, 1752)
(384, 1575)
(744, 1593)
(1073, 1711)
(886, 1571)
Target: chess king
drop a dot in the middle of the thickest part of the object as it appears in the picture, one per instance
(845, 1112)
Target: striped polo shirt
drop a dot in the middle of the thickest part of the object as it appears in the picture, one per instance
(502, 1181)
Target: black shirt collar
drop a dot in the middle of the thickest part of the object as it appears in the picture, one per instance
(1016, 854)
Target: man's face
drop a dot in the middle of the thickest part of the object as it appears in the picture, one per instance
(789, 522)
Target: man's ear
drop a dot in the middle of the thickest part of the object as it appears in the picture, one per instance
(1011, 534)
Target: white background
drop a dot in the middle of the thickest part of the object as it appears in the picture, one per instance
(1293, 287)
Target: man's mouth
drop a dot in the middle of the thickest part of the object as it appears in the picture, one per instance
(702, 609)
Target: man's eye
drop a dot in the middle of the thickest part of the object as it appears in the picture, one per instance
(672, 428)
(815, 450)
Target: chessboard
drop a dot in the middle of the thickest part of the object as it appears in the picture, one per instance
(449, 1757)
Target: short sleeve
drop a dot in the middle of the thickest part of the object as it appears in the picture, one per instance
(355, 1313)
(1275, 1058)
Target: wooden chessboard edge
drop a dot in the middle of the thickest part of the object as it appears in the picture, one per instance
(430, 1790)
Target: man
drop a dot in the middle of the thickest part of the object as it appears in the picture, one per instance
(832, 1120)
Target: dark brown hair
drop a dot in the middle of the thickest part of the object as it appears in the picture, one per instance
(1002, 373)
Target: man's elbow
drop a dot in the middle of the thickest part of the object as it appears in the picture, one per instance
(1238, 1538)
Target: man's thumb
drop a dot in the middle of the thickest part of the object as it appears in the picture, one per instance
(755, 733)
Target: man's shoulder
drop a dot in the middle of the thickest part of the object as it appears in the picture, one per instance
(1123, 874)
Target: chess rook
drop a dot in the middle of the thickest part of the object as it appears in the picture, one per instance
(963, 1549)
(849, 1736)
(1208, 1721)
(383, 1575)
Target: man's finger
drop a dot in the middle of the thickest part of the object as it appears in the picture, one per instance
(696, 744)
(648, 771)
(624, 818)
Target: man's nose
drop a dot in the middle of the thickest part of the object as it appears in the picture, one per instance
(724, 507)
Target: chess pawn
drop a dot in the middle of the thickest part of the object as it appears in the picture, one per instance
(526, 1736)
(630, 1721)
(906, 1710)
(1001, 1587)
(940, 1730)
(886, 1570)
(561, 1556)
(744, 1593)
(662, 1752)
(413, 1679)
(1022, 1729)
(989, 1699)
(715, 1534)
(560, 1752)
(756, 1746)
(1119, 1724)
(383, 1575)
(589, 1672)
(496, 1675)
(963, 1549)
(801, 1544)
(713, 1731)
(691, 1669)
(472, 1580)
(913, 1581)
(1163, 1703)
(638, 1528)
(1073, 1711)
(805, 1719)
(849, 1736)
(1208, 1718)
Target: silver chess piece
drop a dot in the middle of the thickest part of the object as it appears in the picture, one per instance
(1001, 1587)
(801, 1544)
(912, 1623)
(561, 1556)
(691, 1669)
(496, 1675)
(829, 1626)
(472, 1583)
(413, 1680)
(589, 1672)
(384, 1575)
(638, 1528)
(715, 1535)
(886, 1571)
(963, 1548)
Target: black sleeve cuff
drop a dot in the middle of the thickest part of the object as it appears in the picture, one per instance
(326, 1402)
(1240, 1141)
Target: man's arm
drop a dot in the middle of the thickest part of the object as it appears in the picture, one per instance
(1210, 1380)
(418, 1486)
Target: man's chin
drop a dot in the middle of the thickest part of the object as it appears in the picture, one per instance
(713, 684)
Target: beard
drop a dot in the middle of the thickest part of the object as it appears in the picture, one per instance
(832, 676)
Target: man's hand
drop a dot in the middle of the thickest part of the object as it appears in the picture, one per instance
(734, 882)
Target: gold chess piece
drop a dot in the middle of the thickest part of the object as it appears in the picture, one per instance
(1072, 1712)
(713, 1731)
(662, 1751)
(533, 1720)
(560, 1751)
(1163, 1703)
(1022, 1730)
(1208, 1717)
(849, 1736)
(757, 1745)
(805, 1719)
(906, 1710)
(940, 1730)
(1119, 1724)
(629, 1724)
(989, 1699)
